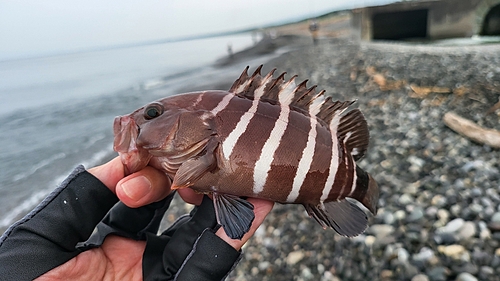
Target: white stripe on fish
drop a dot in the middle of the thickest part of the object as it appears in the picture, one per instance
(263, 165)
(241, 127)
(307, 154)
(223, 103)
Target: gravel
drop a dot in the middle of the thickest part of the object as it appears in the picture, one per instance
(439, 213)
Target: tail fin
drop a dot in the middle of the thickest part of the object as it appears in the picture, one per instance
(367, 191)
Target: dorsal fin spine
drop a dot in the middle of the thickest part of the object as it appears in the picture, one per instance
(257, 71)
(286, 92)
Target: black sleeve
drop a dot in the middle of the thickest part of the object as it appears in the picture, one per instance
(47, 236)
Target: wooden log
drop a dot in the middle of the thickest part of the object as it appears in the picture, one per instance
(471, 130)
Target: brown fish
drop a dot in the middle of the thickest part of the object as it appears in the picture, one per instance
(265, 138)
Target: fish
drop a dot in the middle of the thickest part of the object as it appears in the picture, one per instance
(266, 137)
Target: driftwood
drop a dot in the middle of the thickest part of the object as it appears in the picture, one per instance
(471, 130)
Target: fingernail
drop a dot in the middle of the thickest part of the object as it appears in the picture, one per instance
(136, 188)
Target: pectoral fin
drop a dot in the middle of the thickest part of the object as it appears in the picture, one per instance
(235, 214)
(343, 216)
(193, 169)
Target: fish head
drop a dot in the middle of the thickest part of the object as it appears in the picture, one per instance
(145, 133)
(163, 134)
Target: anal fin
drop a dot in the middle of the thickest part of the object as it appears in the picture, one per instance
(234, 214)
(344, 217)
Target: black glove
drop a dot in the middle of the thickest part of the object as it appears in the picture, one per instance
(53, 232)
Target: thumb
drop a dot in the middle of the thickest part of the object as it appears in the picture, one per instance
(143, 187)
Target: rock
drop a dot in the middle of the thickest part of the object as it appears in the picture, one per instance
(386, 274)
(485, 272)
(388, 218)
(465, 276)
(438, 200)
(399, 215)
(370, 240)
(405, 199)
(452, 226)
(467, 231)
(415, 215)
(484, 232)
(456, 252)
(403, 255)
(425, 254)
(445, 238)
(439, 273)
(420, 277)
(443, 215)
(495, 217)
(307, 274)
(381, 230)
(494, 226)
(264, 265)
(294, 257)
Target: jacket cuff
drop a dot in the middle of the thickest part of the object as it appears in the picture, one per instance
(211, 259)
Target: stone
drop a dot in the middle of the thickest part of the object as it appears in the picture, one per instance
(381, 230)
(370, 240)
(467, 231)
(465, 276)
(485, 272)
(445, 238)
(438, 200)
(294, 257)
(456, 252)
(264, 265)
(420, 277)
(415, 215)
(399, 215)
(443, 215)
(403, 255)
(439, 273)
(495, 217)
(453, 225)
(424, 255)
(405, 199)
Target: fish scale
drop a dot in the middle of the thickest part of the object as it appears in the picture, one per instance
(266, 138)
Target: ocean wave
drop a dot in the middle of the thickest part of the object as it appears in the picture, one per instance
(38, 166)
(29, 203)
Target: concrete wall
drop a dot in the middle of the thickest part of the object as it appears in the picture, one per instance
(445, 19)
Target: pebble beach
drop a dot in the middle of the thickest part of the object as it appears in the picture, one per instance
(439, 207)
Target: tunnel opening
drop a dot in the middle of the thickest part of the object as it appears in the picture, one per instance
(491, 24)
(400, 25)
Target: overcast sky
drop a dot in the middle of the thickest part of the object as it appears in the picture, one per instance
(31, 27)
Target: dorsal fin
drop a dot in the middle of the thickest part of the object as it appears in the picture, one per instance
(276, 89)
(353, 131)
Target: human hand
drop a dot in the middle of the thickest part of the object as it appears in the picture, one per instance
(120, 258)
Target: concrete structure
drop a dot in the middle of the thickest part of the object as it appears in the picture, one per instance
(430, 19)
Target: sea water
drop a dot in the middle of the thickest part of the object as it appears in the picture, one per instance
(57, 112)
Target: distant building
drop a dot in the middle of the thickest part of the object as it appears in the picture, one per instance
(430, 19)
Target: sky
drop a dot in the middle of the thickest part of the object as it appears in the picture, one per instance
(35, 27)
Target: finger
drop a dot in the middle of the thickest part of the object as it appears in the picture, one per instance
(109, 173)
(261, 210)
(143, 187)
(190, 196)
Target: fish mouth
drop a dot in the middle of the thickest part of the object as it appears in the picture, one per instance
(126, 131)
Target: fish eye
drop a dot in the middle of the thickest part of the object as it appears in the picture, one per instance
(153, 110)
